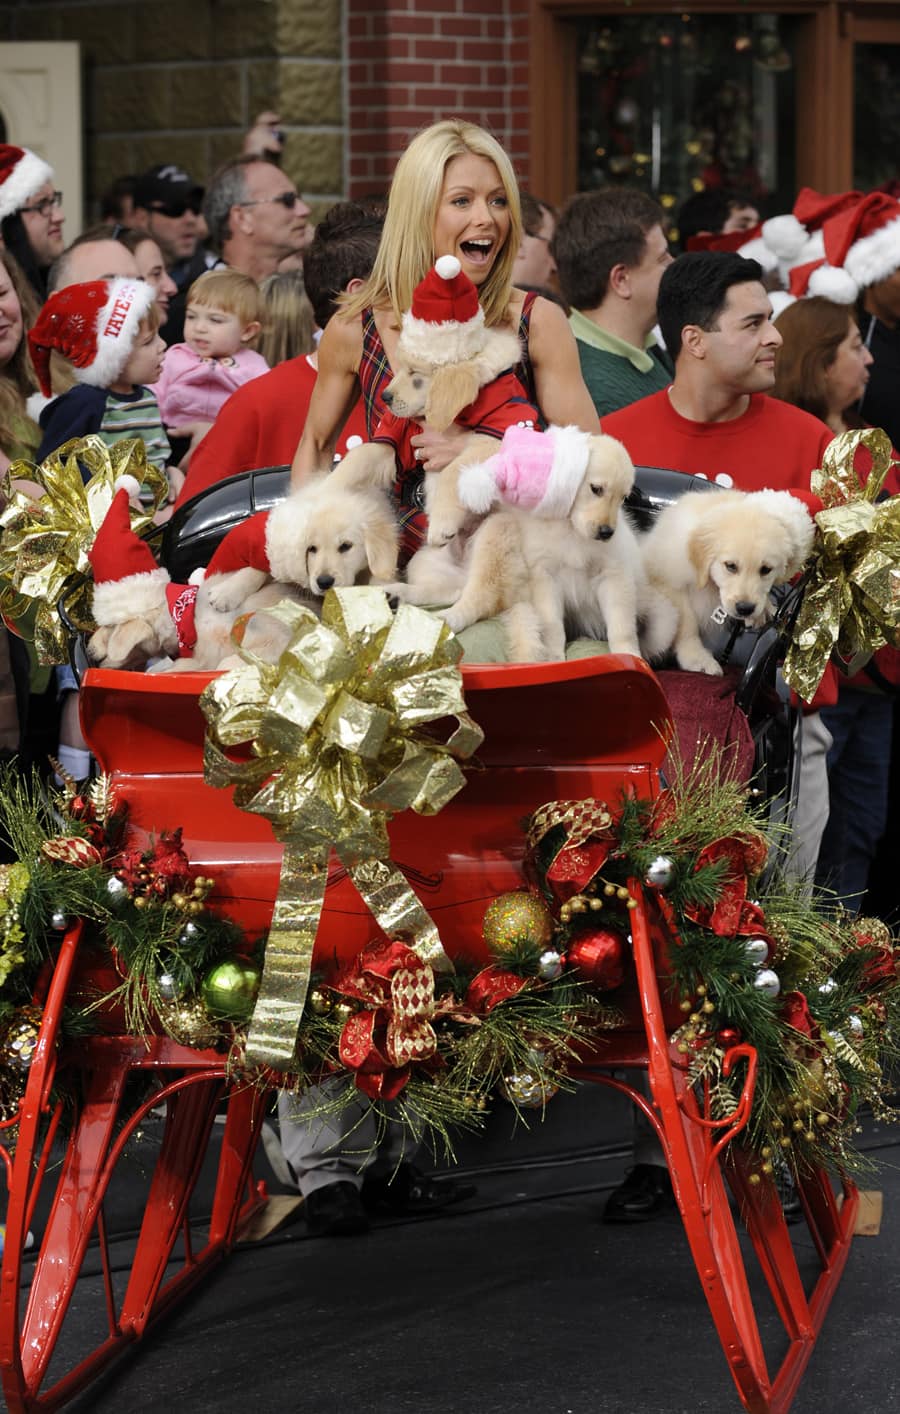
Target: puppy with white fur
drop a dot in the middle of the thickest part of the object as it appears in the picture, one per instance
(559, 553)
(722, 552)
(448, 367)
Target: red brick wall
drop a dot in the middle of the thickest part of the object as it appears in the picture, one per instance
(411, 62)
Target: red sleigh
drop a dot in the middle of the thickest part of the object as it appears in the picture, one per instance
(555, 731)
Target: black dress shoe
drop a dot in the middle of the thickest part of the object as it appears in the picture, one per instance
(409, 1192)
(335, 1211)
(647, 1190)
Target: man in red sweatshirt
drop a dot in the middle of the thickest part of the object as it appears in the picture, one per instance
(716, 421)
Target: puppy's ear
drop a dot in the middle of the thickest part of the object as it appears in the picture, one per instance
(452, 388)
(380, 537)
(134, 641)
(701, 549)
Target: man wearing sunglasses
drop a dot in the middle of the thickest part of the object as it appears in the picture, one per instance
(167, 203)
(255, 215)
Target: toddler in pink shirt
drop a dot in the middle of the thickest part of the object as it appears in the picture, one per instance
(221, 323)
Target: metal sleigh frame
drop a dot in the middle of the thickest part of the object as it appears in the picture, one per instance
(147, 731)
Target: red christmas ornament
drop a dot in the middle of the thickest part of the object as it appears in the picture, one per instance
(598, 955)
(729, 1036)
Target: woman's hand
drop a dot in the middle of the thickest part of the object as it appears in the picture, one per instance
(439, 449)
(176, 479)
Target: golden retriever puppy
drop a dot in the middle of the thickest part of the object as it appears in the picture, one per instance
(323, 536)
(725, 553)
(567, 558)
(448, 367)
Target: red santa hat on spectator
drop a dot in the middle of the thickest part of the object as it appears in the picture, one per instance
(860, 244)
(538, 471)
(94, 326)
(128, 582)
(445, 323)
(749, 244)
(22, 174)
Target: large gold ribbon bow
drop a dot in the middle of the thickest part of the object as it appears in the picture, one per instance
(44, 543)
(337, 748)
(852, 597)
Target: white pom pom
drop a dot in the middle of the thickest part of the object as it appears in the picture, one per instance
(476, 488)
(833, 283)
(785, 236)
(759, 251)
(197, 576)
(447, 266)
(127, 483)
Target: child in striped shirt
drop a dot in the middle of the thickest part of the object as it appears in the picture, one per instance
(108, 330)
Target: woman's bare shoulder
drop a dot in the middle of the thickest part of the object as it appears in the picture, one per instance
(342, 341)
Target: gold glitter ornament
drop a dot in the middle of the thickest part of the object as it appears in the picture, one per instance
(517, 920)
(188, 1022)
(528, 1089)
(20, 1037)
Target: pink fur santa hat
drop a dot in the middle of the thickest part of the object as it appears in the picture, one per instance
(537, 471)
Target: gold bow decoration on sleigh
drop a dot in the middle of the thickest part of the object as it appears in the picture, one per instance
(851, 600)
(337, 747)
(44, 542)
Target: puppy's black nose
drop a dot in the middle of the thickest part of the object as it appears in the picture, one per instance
(744, 608)
(388, 396)
(604, 532)
(324, 581)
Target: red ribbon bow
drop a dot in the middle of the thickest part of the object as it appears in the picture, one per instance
(733, 913)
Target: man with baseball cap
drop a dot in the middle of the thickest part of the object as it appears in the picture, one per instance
(167, 203)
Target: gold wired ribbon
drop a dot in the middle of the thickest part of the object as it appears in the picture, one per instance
(336, 749)
(851, 601)
(44, 543)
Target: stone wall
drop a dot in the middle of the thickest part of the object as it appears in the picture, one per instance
(182, 80)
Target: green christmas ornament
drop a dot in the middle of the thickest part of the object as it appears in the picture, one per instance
(229, 990)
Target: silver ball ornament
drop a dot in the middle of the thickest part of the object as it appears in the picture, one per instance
(189, 934)
(116, 888)
(549, 965)
(828, 986)
(767, 982)
(757, 950)
(58, 920)
(856, 1026)
(169, 988)
(660, 872)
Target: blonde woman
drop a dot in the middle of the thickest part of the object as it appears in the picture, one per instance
(453, 193)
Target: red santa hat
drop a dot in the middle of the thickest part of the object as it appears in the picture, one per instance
(94, 326)
(749, 244)
(538, 471)
(128, 582)
(22, 173)
(860, 245)
(445, 323)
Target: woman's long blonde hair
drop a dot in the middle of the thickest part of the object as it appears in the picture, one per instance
(406, 252)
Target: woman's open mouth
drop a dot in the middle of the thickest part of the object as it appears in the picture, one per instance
(477, 252)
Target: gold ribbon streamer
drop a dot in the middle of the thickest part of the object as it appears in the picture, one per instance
(852, 597)
(336, 749)
(44, 543)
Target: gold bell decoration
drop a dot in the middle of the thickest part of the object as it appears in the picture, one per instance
(44, 543)
(337, 749)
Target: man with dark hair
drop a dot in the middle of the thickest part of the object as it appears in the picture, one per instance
(167, 203)
(715, 419)
(713, 212)
(610, 256)
(260, 424)
(534, 268)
